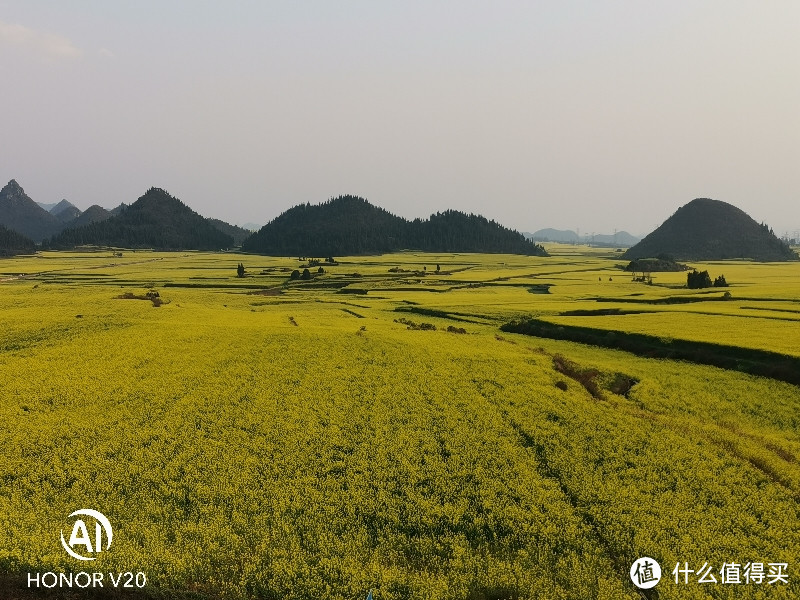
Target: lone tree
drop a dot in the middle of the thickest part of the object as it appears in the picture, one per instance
(240, 270)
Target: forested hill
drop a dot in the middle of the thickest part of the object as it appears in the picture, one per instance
(156, 220)
(350, 225)
(706, 229)
(12, 243)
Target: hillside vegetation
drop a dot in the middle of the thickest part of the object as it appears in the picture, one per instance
(349, 225)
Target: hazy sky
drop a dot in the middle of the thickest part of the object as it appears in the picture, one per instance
(590, 114)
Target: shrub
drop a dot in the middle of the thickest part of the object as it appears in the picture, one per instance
(418, 326)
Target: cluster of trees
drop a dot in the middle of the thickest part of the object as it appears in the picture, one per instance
(701, 279)
(305, 275)
(351, 225)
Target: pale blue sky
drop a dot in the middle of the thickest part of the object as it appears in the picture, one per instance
(597, 115)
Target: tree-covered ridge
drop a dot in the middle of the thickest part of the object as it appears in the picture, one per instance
(706, 229)
(156, 220)
(350, 225)
(12, 243)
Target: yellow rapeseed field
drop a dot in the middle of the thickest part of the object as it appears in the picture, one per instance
(372, 429)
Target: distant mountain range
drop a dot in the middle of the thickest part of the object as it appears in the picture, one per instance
(350, 225)
(344, 225)
(706, 229)
(621, 239)
(53, 224)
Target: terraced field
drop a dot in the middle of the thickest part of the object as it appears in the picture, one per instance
(371, 428)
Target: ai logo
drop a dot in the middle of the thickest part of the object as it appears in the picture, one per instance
(80, 535)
